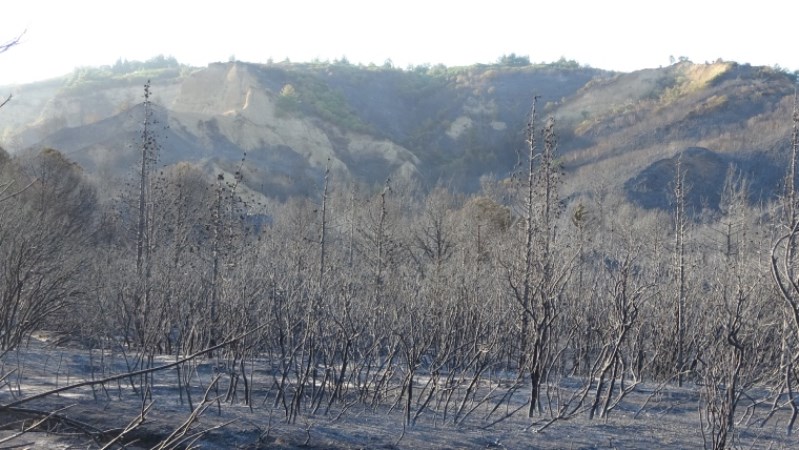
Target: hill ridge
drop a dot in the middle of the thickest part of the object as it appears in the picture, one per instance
(425, 125)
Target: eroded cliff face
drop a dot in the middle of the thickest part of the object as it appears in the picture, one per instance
(244, 112)
(213, 117)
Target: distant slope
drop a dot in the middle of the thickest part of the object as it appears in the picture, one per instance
(631, 121)
(429, 124)
(705, 173)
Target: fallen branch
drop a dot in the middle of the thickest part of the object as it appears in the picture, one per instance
(180, 435)
(32, 427)
(129, 374)
(138, 420)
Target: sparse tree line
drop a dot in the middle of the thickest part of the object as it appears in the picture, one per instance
(436, 303)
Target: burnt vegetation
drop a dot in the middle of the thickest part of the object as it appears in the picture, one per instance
(452, 308)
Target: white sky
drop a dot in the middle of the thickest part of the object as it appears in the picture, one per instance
(621, 35)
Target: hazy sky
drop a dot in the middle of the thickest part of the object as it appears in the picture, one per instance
(610, 34)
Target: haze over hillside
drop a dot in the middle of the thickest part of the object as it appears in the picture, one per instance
(452, 125)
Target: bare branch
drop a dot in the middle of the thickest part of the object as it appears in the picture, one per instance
(131, 374)
(7, 45)
(13, 194)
